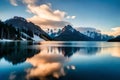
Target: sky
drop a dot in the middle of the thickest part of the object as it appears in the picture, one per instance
(103, 15)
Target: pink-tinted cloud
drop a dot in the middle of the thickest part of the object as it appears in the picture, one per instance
(14, 2)
(114, 31)
(44, 15)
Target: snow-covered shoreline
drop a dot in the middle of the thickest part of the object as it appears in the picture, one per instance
(5, 40)
(35, 38)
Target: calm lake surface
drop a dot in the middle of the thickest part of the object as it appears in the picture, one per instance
(59, 61)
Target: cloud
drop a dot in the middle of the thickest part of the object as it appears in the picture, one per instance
(14, 2)
(85, 29)
(43, 14)
(44, 23)
(32, 2)
(46, 16)
(70, 17)
(114, 31)
(27, 2)
(73, 17)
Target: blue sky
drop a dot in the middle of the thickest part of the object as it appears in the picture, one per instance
(100, 14)
(92, 13)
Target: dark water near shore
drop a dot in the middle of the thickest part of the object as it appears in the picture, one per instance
(59, 61)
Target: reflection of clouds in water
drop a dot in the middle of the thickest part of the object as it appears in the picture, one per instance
(113, 51)
(12, 76)
(52, 61)
(72, 67)
(116, 52)
(45, 65)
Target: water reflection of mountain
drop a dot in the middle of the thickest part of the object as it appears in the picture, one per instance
(69, 51)
(89, 50)
(48, 61)
(16, 52)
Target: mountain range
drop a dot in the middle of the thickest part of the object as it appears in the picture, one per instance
(27, 30)
(70, 34)
(96, 35)
(116, 39)
(18, 28)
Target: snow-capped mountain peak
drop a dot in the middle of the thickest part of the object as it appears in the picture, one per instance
(68, 27)
(19, 18)
(27, 29)
(94, 33)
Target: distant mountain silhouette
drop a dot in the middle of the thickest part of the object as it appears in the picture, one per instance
(70, 34)
(116, 39)
(27, 30)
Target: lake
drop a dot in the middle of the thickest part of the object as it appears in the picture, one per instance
(49, 60)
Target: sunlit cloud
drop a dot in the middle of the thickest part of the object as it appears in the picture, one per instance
(45, 12)
(27, 2)
(70, 17)
(14, 2)
(85, 29)
(44, 23)
(44, 15)
(114, 31)
(32, 2)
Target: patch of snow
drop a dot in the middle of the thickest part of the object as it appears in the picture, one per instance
(6, 40)
(25, 34)
(72, 30)
(37, 38)
(23, 39)
(49, 33)
(56, 35)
